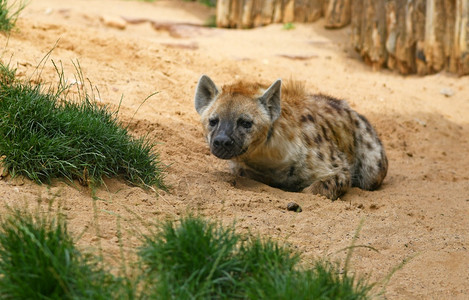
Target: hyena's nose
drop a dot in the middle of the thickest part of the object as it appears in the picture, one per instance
(223, 141)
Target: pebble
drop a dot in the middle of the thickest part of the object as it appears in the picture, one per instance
(292, 206)
(114, 22)
(448, 92)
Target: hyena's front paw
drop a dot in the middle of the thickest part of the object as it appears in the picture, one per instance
(331, 188)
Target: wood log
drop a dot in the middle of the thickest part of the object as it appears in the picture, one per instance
(337, 13)
(254, 13)
(369, 31)
(289, 11)
(420, 36)
(223, 13)
(314, 10)
(450, 10)
(246, 17)
(435, 29)
(410, 36)
(461, 37)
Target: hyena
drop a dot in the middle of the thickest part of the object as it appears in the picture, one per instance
(289, 139)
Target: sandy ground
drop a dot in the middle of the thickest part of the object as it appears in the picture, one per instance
(421, 211)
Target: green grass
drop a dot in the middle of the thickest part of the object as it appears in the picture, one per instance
(45, 135)
(38, 260)
(288, 26)
(198, 259)
(9, 14)
(189, 259)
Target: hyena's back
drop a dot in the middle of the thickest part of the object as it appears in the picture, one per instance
(354, 137)
(344, 141)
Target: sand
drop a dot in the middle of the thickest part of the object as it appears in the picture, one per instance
(420, 212)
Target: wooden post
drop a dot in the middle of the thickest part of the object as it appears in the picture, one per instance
(338, 13)
(461, 37)
(223, 13)
(410, 36)
(435, 29)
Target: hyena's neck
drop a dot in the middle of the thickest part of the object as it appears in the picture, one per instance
(280, 148)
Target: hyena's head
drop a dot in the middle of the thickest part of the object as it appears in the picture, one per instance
(236, 118)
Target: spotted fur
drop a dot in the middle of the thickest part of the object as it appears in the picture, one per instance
(287, 138)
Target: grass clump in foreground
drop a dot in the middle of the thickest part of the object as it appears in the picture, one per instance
(195, 259)
(9, 14)
(38, 260)
(202, 260)
(45, 135)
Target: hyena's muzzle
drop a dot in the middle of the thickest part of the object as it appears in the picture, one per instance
(224, 143)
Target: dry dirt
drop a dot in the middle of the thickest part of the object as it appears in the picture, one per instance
(421, 211)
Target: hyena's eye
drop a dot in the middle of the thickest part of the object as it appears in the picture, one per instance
(213, 122)
(245, 123)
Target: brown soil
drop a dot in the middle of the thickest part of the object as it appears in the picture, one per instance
(421, 211)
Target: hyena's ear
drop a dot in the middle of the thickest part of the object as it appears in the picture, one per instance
(271, 99)
(205, 93)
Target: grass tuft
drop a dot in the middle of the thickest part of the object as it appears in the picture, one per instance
(38, 260)
(198, 259)
(9, 14)
(192, 260)
(45, 135)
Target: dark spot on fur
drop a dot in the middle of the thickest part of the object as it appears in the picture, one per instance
(291, 171)
(318, 139)
(332, 154)
(325, 186)
(331, 128)
(335, 104)
(324, 133)
(270, 133)
(303, 118)
(367, 124)
(369, 146)
(310, 118)
(357, 123)
(349, 114)
(320, 156)
(307, 139)
(335, 165)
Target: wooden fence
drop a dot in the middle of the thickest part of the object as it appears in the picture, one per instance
(410, 36)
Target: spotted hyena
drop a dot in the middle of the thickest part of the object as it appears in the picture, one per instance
(287, 138)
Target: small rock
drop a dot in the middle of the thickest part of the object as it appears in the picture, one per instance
(448, 92)
(17, 181)
(292, 206)
(114, 22)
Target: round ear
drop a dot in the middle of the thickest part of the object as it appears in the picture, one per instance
(205, 93)
(271, 99)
